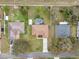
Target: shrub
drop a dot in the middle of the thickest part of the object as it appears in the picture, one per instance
(21, 47)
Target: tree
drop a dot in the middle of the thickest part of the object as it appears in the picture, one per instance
(24, 12)
(6, 9)
(66, 13)
(73, 40)
(21, 47)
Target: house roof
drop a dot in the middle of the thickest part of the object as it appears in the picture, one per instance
(40, 30)
(63, 22)
(15, 28)
(62, 30)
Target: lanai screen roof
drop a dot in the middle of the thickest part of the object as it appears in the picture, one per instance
(39, 21)
(62, 30)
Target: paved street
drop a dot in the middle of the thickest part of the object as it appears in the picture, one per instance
(41, 2)
(39, 54)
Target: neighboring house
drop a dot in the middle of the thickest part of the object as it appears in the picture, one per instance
(40, 31)
(62, 30)
(15, 28)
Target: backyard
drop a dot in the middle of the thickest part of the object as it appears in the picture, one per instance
(41, 11)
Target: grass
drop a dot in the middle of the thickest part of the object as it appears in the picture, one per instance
(36, 45)
(5, 47)
(73, 30)
(18, 16)
(59, 16)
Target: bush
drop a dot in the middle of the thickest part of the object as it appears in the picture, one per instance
(66, 13)
(21, 47)
(73, 40)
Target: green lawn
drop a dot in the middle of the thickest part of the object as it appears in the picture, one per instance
(5, 47)
(21, 14)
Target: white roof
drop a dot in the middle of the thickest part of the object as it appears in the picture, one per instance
(30, 21)
(63, 22)
(5, 17)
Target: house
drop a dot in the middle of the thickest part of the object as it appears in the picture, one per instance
(40, 31)
(15, 28)
(62, 30)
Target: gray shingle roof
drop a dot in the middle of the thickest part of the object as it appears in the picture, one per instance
(62, 30)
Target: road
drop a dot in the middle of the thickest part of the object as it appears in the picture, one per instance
(39, 54)
(37, 3)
